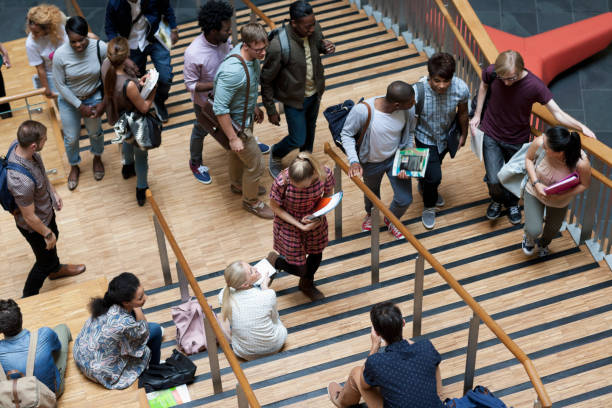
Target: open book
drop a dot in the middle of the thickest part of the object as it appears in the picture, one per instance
(149, 83)
(169, 398)
(413, 161)
(266, 269)
(563, 185)
(326, 204)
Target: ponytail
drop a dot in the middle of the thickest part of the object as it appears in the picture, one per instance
(559, 139)
(110, 80)
(235, 276)
(117, 51)
(121, 289)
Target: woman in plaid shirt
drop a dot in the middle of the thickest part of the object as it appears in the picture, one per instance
(299, 239)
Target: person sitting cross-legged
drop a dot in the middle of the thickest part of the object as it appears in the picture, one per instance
(405, 374)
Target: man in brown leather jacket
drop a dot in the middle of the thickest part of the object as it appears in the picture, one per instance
(296, 81)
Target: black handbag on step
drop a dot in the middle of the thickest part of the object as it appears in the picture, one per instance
(178, 369)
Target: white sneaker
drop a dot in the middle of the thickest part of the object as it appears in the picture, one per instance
(429, 217)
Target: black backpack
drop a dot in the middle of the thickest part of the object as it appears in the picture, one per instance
(336, 116)
(283, 37)
(6, 198)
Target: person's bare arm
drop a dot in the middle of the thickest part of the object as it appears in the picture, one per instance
(37, 225)
(225, 121)
(566, 120)
(44, 82)
(204, 86)
(530, 158)
(139, 314)
(133, 94)
(464, 121)
(482, 92)
(285, 216)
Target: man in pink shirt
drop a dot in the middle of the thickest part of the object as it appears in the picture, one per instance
(202, 59)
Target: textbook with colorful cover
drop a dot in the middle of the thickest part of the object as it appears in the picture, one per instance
(326, 204)
(412, 160)
(563, 185)
(169, 398)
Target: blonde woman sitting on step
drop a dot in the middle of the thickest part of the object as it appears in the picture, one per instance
(250, 310)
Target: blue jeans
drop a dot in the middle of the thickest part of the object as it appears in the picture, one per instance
(140, 159)
(160, 57)
(71, 124)
(154, 343)
(496, 154)
(196, 143)
(50, 81)
(301, 124)
(402, 188)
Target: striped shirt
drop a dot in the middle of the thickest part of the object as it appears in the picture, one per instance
(25, 192)
(439, 111)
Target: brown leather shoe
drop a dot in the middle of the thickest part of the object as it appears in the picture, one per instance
(310, 290)
(98, 168)
(261, 190)
(260, 209)
(67, 270)
(73, 177)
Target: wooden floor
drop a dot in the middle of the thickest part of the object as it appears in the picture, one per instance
(557, 309)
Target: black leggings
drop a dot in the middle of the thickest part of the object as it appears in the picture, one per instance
(306, 271)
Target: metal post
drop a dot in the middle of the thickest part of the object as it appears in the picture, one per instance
(419, 278)
(183, 283)
(338, 209)
(374, 253)
(470, 359)
(590, 211)
(537, 403)
(213, 357)
(253, 17)
(242, 399)
(163, 252)
(234, 24)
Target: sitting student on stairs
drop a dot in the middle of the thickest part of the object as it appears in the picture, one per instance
(51, 348)
(405, 374)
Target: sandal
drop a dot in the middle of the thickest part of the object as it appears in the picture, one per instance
(333, 391)
(98, 168)
(74, 182)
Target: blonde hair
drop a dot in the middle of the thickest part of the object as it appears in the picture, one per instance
(304, 166)
(50, 19)
(117, 51)
(509, 61)
(252, 33)
(235, 277)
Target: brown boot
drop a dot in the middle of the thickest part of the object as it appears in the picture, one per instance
(310, 290)
(67, 270)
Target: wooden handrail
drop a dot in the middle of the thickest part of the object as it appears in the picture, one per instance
(24, 95)
(452, 282)
(210, 316)
(260, 13)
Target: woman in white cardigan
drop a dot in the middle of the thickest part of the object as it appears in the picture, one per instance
(250, 309)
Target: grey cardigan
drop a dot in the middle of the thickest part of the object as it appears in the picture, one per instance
(355, 121)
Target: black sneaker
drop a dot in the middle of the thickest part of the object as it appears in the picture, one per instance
(494, 211)
(161, 111)
(514, 214)
(128, 170)
(528, 245)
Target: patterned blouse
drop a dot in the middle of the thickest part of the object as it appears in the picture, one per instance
(112, 349)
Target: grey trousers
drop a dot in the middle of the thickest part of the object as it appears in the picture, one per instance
(536, 224)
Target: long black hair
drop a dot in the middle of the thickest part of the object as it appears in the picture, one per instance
(560, 139)
(77, 25)
(121, 289)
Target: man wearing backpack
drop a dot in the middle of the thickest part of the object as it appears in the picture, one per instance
(441, 97)
(392, 122)
(36, 199)
(51, 348)
(293, 74)
(405, 374)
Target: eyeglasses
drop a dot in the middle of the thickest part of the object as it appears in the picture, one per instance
(258, 50)
(509, 79)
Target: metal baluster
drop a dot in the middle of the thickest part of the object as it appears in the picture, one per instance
(163, 252)
(242, 399)
(338, 209)
(234, 24)
(213, 357)
(470, 359)
(183, 283)
(375, 242)
(419, 278)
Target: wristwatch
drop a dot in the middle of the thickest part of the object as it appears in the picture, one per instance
(49, 235)
(533, 183)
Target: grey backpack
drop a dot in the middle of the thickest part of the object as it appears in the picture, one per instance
(26, 391)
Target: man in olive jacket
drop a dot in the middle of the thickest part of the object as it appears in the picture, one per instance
(296, 81)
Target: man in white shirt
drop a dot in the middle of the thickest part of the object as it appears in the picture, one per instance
(392, 121)
(139, 21)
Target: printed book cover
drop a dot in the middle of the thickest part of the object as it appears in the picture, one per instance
(169, 398)
(563, 185)
(412, 161)
(326, 204)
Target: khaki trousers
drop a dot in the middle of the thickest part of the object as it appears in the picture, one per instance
(352, 391)
(246, 167)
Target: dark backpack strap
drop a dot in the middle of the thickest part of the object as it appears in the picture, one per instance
(248, 88)
(18, 167)
(420, 98)
(283, 38)
(365, 127)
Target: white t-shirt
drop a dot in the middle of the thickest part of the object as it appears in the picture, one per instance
(41, 50)
(385, 134)
(138, 34)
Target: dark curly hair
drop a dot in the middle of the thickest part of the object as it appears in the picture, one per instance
(10, 318)
(121, 289)
(212, 14)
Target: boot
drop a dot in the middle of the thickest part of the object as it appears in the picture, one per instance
(308, 288)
